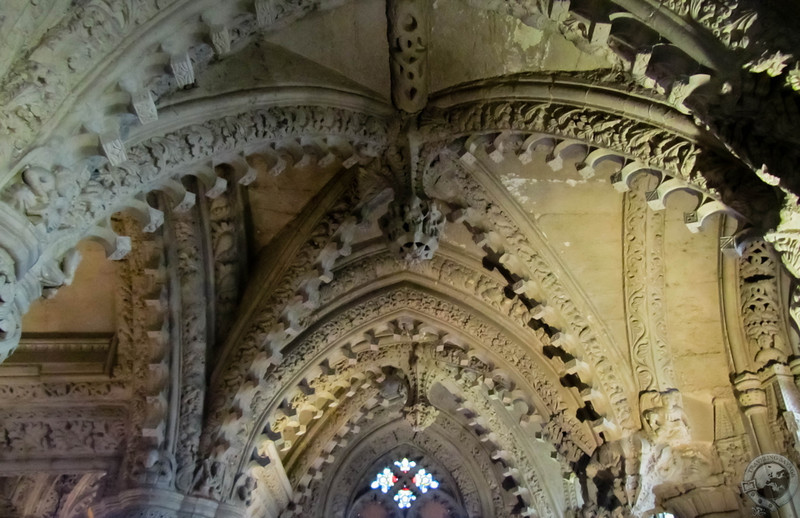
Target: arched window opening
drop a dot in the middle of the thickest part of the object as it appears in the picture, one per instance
(404, 481)
(406, 484)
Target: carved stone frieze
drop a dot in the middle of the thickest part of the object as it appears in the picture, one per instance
(644, 291)
(701, 168)
(99, 431)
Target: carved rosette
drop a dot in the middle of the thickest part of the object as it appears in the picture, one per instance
(413, 229)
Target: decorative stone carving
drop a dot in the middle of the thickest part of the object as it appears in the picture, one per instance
(156, 469)
(761, 307)
(512, 252)
(420, 416)
(227, 245)
(182, 70)
(651, 146)
(413, 229)
(193, 344)
(145, 106)
(662, 415)
(644, 291)
(47, 432)
(407, 22)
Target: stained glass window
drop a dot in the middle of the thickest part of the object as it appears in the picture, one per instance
(405, 465)
(385, 480)
(404, 497)
(401, 477)
(424, 481)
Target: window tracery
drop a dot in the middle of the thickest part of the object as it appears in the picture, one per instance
(410, 480)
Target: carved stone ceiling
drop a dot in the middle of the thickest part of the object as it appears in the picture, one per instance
(251, 249)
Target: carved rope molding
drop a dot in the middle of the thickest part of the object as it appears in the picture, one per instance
(50, 213)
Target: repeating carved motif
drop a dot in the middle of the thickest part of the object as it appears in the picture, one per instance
(386, 431)
(644, 291)
(227, 245)
(277, 321)
(93, 431)
(761, 307)
(407, 22)
(160, 157)
(488, 220)
(562, 429)
(21, 392)
(193, 344)
(649, 145)
(34, 89)
(142, 298)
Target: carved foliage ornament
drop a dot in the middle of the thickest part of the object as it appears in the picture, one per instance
(413, 229)
(652, 146)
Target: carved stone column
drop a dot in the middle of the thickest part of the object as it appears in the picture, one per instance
(753, 401)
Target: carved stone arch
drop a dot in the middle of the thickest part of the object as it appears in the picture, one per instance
(667, 143)
(346, 336)
(162, 155)
(331, 336)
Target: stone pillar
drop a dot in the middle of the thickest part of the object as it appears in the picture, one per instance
(753, 401)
